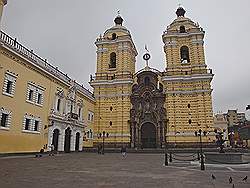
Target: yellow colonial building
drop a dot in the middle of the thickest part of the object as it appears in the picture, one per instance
(39, 104)
(149, 108)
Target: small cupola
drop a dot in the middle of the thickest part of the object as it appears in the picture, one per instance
(118, 20)
(180, 12)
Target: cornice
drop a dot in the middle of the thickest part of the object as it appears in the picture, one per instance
(110, 82)
(12, 46)
(187, 78)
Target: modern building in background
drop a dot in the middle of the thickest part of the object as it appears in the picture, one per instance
(235, 121)
(221, 126)
(41, 106)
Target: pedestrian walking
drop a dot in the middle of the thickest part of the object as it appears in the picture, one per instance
(99, 149)
(52, 148)
(123, 151)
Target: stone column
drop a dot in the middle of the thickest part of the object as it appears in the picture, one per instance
(72, 140)
(61, 140)
(2, 3)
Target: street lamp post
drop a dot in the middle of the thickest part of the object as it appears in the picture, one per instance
(201, 152)
(166, 143)
(103, 135)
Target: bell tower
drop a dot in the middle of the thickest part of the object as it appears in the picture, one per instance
(187, 81)
(116, 56)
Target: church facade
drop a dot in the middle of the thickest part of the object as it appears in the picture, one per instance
(149, 108)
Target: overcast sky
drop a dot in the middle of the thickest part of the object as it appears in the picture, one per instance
(64, 32)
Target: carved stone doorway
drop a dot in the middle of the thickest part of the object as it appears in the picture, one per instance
(148, 135)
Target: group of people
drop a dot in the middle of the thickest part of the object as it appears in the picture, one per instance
(51, 151)
(100, 150)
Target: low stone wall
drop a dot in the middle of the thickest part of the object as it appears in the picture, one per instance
(223, 158)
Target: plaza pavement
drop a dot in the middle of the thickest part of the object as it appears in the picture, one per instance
(137, 170)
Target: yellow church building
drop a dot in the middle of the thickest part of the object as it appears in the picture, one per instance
(149, 108)
(41, 106)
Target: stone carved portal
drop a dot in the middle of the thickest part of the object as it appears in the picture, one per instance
(148, 115)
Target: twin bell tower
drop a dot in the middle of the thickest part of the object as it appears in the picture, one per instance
(170, 106)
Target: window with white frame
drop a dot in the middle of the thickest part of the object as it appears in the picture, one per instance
(36, 125)
(90, 116)
(34, 94)
(89, 134)
(30, 93)
(59, 100)
(31, 123)
(39, 96)
(5, 117)
(9, 84)
(80, 112)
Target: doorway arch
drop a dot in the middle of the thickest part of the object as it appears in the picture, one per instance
(77, 141)
(148, 135)
(55, 139)
(67, 140)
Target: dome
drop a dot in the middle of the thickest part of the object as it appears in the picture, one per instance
(118, 27)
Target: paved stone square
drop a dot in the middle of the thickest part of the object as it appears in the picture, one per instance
(112, 170)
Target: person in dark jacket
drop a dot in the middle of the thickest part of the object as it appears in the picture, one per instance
(123, 151)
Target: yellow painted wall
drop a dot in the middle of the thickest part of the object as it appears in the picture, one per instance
(15, 139)
(88, 106)
(112, 86)
(186, 89)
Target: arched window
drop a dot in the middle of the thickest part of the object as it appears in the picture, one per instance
(182, 29)
(58, 104)
(184, 54)
(113, 36)
(190, 121)
(112, 60)
(146, 80)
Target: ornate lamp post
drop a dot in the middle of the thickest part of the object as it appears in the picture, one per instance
(201, 152)
(103, 135)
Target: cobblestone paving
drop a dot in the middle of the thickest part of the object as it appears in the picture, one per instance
(111, 170)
